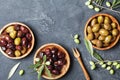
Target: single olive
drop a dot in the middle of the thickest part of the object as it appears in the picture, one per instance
(100, 19)
(8, 39)
(108, 39)
(114, 32)
(106, 44)
(94, 41)
(18, 47)
(17, 27)
(24, 29)
(10, 29)
(107, 26)
(114, 25)
(20, 34)
(107, 20)
(99, 43)
(96, 28)
(17, 41)
(90, 36)
(29, 36)
(89, 29)
(13, 34)
(96, 35)
(94, 21)
(103, 32)
(10, 53)
(17, 53)
(101, 37)
(23, 50)
(3, 42)
(24, 42)
(113, 38)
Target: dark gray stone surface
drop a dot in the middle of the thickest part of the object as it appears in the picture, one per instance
(54, 21)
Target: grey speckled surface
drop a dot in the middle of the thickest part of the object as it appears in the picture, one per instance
(54, 21)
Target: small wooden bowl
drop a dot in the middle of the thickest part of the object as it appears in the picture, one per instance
(113, 20)
(65, 67)
(29, 50)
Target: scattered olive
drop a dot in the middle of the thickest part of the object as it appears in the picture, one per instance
(111, 71)
(21, 72)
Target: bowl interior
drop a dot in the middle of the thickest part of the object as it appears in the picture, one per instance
(32, 41)
(113, 20)
(65, 67)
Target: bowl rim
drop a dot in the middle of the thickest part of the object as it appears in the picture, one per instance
(113, 19)
(33, 40)
(65, 66)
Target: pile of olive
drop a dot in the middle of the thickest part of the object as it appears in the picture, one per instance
(15, 40)
(56, 58)
(102, 31)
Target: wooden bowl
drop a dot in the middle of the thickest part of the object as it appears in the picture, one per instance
(32, 41)
(113, 20)
(65, 67)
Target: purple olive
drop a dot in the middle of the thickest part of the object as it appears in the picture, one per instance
(29, 45)
(23, 29)
(54, 50)
(17, 27)
(10, 53)
(58, 68)
(29, 36)
(8, 39)
(50, 67)
(20, 34)
(18, 47)
(56, 63)
(61, 62)
(56, 72)
(54, 57)
(3, 48)
(40, 55)
(3, 42)
(10, 46)
(60, 54)
(24, 42)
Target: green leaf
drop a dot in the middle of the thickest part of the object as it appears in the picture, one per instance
(97, 56)
(88, 46)
(47, 71)
(113, 3)
(35, 65)
(44, 58)
(40, 71)
(13, 69)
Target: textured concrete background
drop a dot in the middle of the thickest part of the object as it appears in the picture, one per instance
(54, 21)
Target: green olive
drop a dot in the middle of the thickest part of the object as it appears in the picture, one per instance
(17, 41)
(89, 29)
(17, 53)
(96, 28)
(107, 20)
(10, 29)
(94, 21)
(99, 43)
(96, 35)
(13, 34)
(101, 37)
(108, 39)
(100, 19)
(107, 26)
(103, 32)
(90, 36)
(114, 32)
(113, 25)
(94, 41)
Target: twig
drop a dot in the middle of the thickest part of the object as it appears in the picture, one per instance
(106, 8)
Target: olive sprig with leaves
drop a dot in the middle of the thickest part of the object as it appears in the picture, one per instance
(99, 61)
(40, 65)
(97, 5)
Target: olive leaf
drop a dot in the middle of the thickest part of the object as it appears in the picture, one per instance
(40, 71)
(44, 58)
(97, 56)
(88, 46)
(35, 65)
(13, 69)
(47, 71)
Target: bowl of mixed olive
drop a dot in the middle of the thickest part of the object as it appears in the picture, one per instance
(102, 30)
(57, 56)
(16, 40)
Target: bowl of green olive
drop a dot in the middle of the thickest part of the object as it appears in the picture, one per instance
(16, 40)
(103, 31)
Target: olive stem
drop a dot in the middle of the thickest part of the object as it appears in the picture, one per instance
(106, 8)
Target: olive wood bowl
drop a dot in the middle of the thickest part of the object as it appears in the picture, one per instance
(65, 67)
(113, 20)
(28, 51)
